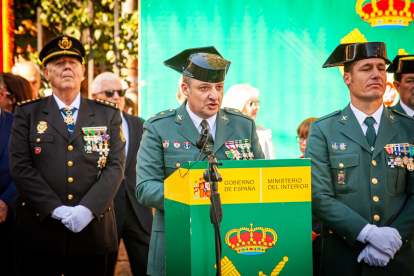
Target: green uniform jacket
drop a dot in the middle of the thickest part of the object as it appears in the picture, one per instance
(52, 169)
(371, 189)
(155, 162)
(398, 107)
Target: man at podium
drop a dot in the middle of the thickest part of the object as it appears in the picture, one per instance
(170, 137)
(362, 179)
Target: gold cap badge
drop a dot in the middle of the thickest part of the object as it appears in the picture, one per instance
(65, 43)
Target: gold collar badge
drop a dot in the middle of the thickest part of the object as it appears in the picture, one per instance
(65, 43)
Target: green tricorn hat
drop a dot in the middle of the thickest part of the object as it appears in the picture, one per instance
(403, 63)
(62, 46)
(349, 52)
(204, 64)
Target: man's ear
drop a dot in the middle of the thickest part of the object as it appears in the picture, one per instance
(185, 88)
(397, 86)
(45, 73)
(94, 96)
(347, 78)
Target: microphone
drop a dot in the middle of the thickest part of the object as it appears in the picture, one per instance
(203, 138)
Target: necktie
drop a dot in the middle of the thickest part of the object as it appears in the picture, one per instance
(69, 120)
(370, 134)
(210, 141)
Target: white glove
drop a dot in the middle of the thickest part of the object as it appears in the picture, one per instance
(78, 219)
(373, 257)
(385, 239)
(63, 211)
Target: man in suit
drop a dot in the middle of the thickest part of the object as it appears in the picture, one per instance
(134, 221)
(8, 191)
(67, 161)
(169, 138)
(403, 69)
(362, 179)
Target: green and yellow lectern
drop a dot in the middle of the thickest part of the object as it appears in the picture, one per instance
(266, 227)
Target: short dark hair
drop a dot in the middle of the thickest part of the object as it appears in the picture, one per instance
(397, 77)
(348, 66)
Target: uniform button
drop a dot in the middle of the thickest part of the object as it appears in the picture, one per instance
(341, 165)
(37, 214)
(70, 147)
(70, 179)
(374, 163)
(344, 238)
(70, 197)
(24, 203)
(70, 163)
(178, 165)
(375, 198)
(101, 216)
(374, 181)
(109, 209)
(330, 231)
(38, 140)
(376, 218)
(406, 241)
(236, 111)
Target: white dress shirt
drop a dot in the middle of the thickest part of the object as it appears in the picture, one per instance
(361, 116)
(212, 121)
(125, 131)
(75, 103)
(407, 110)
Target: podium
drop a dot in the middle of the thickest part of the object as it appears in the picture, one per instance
(266, 226)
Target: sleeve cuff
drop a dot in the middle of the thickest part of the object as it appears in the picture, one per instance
(363, 234)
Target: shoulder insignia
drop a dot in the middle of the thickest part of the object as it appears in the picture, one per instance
(235, 111)
(401, 114)
(343, 118)
(163, 114)
(28, 101)
(107, 103)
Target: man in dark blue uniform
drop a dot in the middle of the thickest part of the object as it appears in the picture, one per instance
(67, 161)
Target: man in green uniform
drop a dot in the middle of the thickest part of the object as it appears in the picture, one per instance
(362, 179)
(403, 69)
(67, 161)
(169, 138)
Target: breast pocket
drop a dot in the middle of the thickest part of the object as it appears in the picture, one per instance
(344, 169)
(174, 161)
(396, 178)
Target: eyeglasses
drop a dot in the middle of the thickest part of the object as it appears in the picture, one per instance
(254, 103)
(110, 92)
(301, 139)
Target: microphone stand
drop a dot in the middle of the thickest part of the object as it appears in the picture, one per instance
(216, 210)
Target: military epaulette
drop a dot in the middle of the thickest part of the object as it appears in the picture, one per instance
(328, 116)
(28, 101)
(402, 114)
(236, 112)
(163, 114)
(107, 103)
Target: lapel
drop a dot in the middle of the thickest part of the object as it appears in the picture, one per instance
(187, 127)
(386, 132)
(349, 129)
(132, 137)
(85, 118)
(4, 125)
(223, 131)
(54, 117)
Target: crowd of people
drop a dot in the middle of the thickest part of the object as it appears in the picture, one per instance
(79, 174)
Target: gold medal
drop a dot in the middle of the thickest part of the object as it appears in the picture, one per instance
(398, 161)
(410, 165)
(405, 159)
(41, 127)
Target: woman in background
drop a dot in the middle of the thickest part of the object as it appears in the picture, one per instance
(244, 97)
(303, 133)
